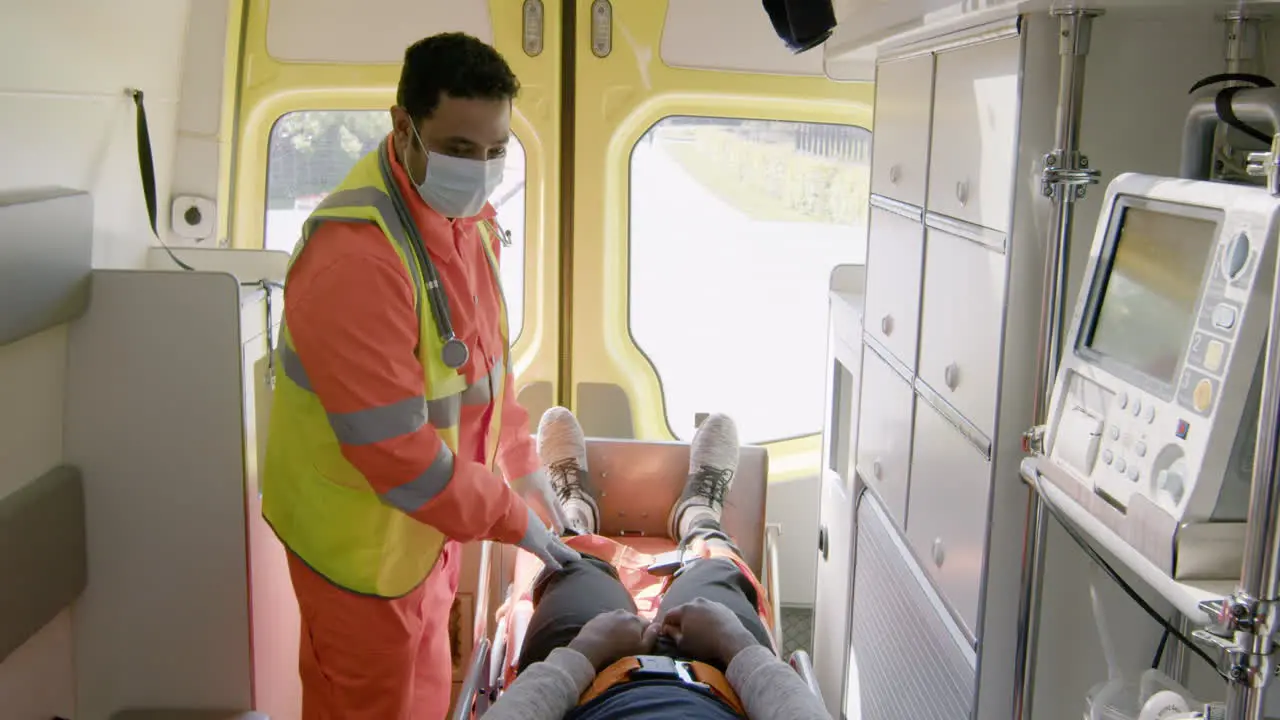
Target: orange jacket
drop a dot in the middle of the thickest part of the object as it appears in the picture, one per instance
(349, 308)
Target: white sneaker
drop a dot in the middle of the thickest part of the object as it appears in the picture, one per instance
(713, 460)
(562, 448)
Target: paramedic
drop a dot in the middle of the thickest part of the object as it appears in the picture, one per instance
(588, 656)
(395, 399)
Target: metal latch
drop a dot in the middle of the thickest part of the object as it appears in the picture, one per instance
(1067, 170)
(1264, 164)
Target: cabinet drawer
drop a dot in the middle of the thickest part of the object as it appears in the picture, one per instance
(975, 115)
(960, 325)
(947, 511)
(895, 253)
(884, 439)
(900, 142)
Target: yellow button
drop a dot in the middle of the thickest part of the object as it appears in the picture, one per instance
(1202, 396)
(1213, 356)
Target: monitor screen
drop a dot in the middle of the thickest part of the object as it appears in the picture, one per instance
(1148, 307)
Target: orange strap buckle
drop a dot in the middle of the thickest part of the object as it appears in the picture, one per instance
(656, 667)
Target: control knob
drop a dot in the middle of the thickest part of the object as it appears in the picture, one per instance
(1171, 482)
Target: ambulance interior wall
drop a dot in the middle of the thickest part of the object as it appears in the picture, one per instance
(64, 65)
(1140, 69)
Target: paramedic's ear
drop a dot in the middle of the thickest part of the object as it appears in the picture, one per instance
(402, 131)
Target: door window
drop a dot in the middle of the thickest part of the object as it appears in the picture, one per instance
(735, 226)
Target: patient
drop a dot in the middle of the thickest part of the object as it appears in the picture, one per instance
(707, 656)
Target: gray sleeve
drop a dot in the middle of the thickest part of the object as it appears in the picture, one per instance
(770, 689)
(547, 690)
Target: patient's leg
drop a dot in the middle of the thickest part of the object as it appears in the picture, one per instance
(695, 520)
(563, 450)
(718, 579)
(565, 601)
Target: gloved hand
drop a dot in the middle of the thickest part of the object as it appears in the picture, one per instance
(536, 490)
(539, 541)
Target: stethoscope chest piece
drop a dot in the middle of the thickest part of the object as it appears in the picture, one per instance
(454, 353)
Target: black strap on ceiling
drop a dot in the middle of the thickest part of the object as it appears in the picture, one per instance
(1222, 102)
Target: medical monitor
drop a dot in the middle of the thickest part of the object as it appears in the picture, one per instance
(1155, 402)
(1146, 307)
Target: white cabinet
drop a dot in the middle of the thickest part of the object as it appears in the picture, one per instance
(900, 145)
(947, 527)
(961, 321)
(884, 441)
(975, 130)
(894, 255)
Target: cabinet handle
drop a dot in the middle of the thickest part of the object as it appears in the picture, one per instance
(951, 376)
(823, 547)
(895, 174)
(939, 553)
(886, 325)
(876, 469)
(962, 193)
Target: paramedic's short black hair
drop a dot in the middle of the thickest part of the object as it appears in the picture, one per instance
(453, 64)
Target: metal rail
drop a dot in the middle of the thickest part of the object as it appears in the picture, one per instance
(1066, 175)
(773, 584)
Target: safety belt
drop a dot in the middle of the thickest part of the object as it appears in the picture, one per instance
(147, 169)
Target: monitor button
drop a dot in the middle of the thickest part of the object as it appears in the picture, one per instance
(1124, 400)
(1213, 353)
(1224, 317)
(1202, 396)
(1120, 464)
(1140, 449)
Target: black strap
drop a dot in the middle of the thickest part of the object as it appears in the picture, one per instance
(1222, 102)
(147, 167)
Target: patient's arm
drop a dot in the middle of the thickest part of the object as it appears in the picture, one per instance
(768, 688)
(548, 690)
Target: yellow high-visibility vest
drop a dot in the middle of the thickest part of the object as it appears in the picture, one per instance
(321, 507)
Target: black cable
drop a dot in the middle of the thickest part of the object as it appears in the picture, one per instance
(1164, 640)
(1111, 572)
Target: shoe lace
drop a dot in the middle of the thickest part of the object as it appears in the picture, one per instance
(564, 479)
(712, 483)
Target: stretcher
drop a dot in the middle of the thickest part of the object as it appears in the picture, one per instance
(639, 483)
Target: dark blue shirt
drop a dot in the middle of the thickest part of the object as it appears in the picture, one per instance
(654, 700)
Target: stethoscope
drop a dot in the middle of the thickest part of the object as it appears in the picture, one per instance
(453, 351)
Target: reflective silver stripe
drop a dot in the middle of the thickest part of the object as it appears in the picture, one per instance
(293, 369)
(419, 491)
(444, 412)
(373, 425)
(378, 200)
(481, 391)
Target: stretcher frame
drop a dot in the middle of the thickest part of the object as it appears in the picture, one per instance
(639, 483)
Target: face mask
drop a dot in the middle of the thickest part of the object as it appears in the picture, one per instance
(458, 187)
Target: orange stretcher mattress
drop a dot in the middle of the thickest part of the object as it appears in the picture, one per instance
(632, 557)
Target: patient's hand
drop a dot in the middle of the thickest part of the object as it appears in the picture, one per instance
(614, 635)
(708, 630)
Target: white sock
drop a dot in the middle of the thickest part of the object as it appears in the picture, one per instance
(695, 514)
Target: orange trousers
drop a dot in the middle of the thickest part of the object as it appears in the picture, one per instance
(369, 658)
